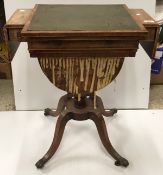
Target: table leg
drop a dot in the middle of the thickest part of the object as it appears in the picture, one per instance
(60, 107)
(69, 110)
(109, 113)
(60, 126)
(102, 130)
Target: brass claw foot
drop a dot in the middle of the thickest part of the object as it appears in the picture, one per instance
(100, 105)
(122, 162)
(60, 107)
(113, 111)
(109, 113)
(40, 164)
(47, 111)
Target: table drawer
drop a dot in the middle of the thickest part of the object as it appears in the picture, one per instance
(14, 34)
(13, 28)
(151, 33)
(150, 44)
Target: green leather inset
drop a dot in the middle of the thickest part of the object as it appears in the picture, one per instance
(82, 18)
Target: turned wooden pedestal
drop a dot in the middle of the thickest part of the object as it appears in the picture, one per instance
(70, 108)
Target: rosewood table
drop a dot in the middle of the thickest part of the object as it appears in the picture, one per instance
(81, 49)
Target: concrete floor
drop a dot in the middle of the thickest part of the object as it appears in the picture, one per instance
(6, 95)
(156, 97)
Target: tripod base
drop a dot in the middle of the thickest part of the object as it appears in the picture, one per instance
(67, 110)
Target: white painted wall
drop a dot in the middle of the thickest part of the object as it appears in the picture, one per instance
(33, 91)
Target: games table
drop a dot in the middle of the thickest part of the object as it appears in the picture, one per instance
(81, 49)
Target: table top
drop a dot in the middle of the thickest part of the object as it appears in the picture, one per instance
(82, 18)
(81, 30)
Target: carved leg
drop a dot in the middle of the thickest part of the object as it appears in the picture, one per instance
(60, 107)
(101, 127)
(60, 126)
(102, 109)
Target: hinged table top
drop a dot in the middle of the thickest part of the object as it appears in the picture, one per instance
(81, 17)
(105, 20)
